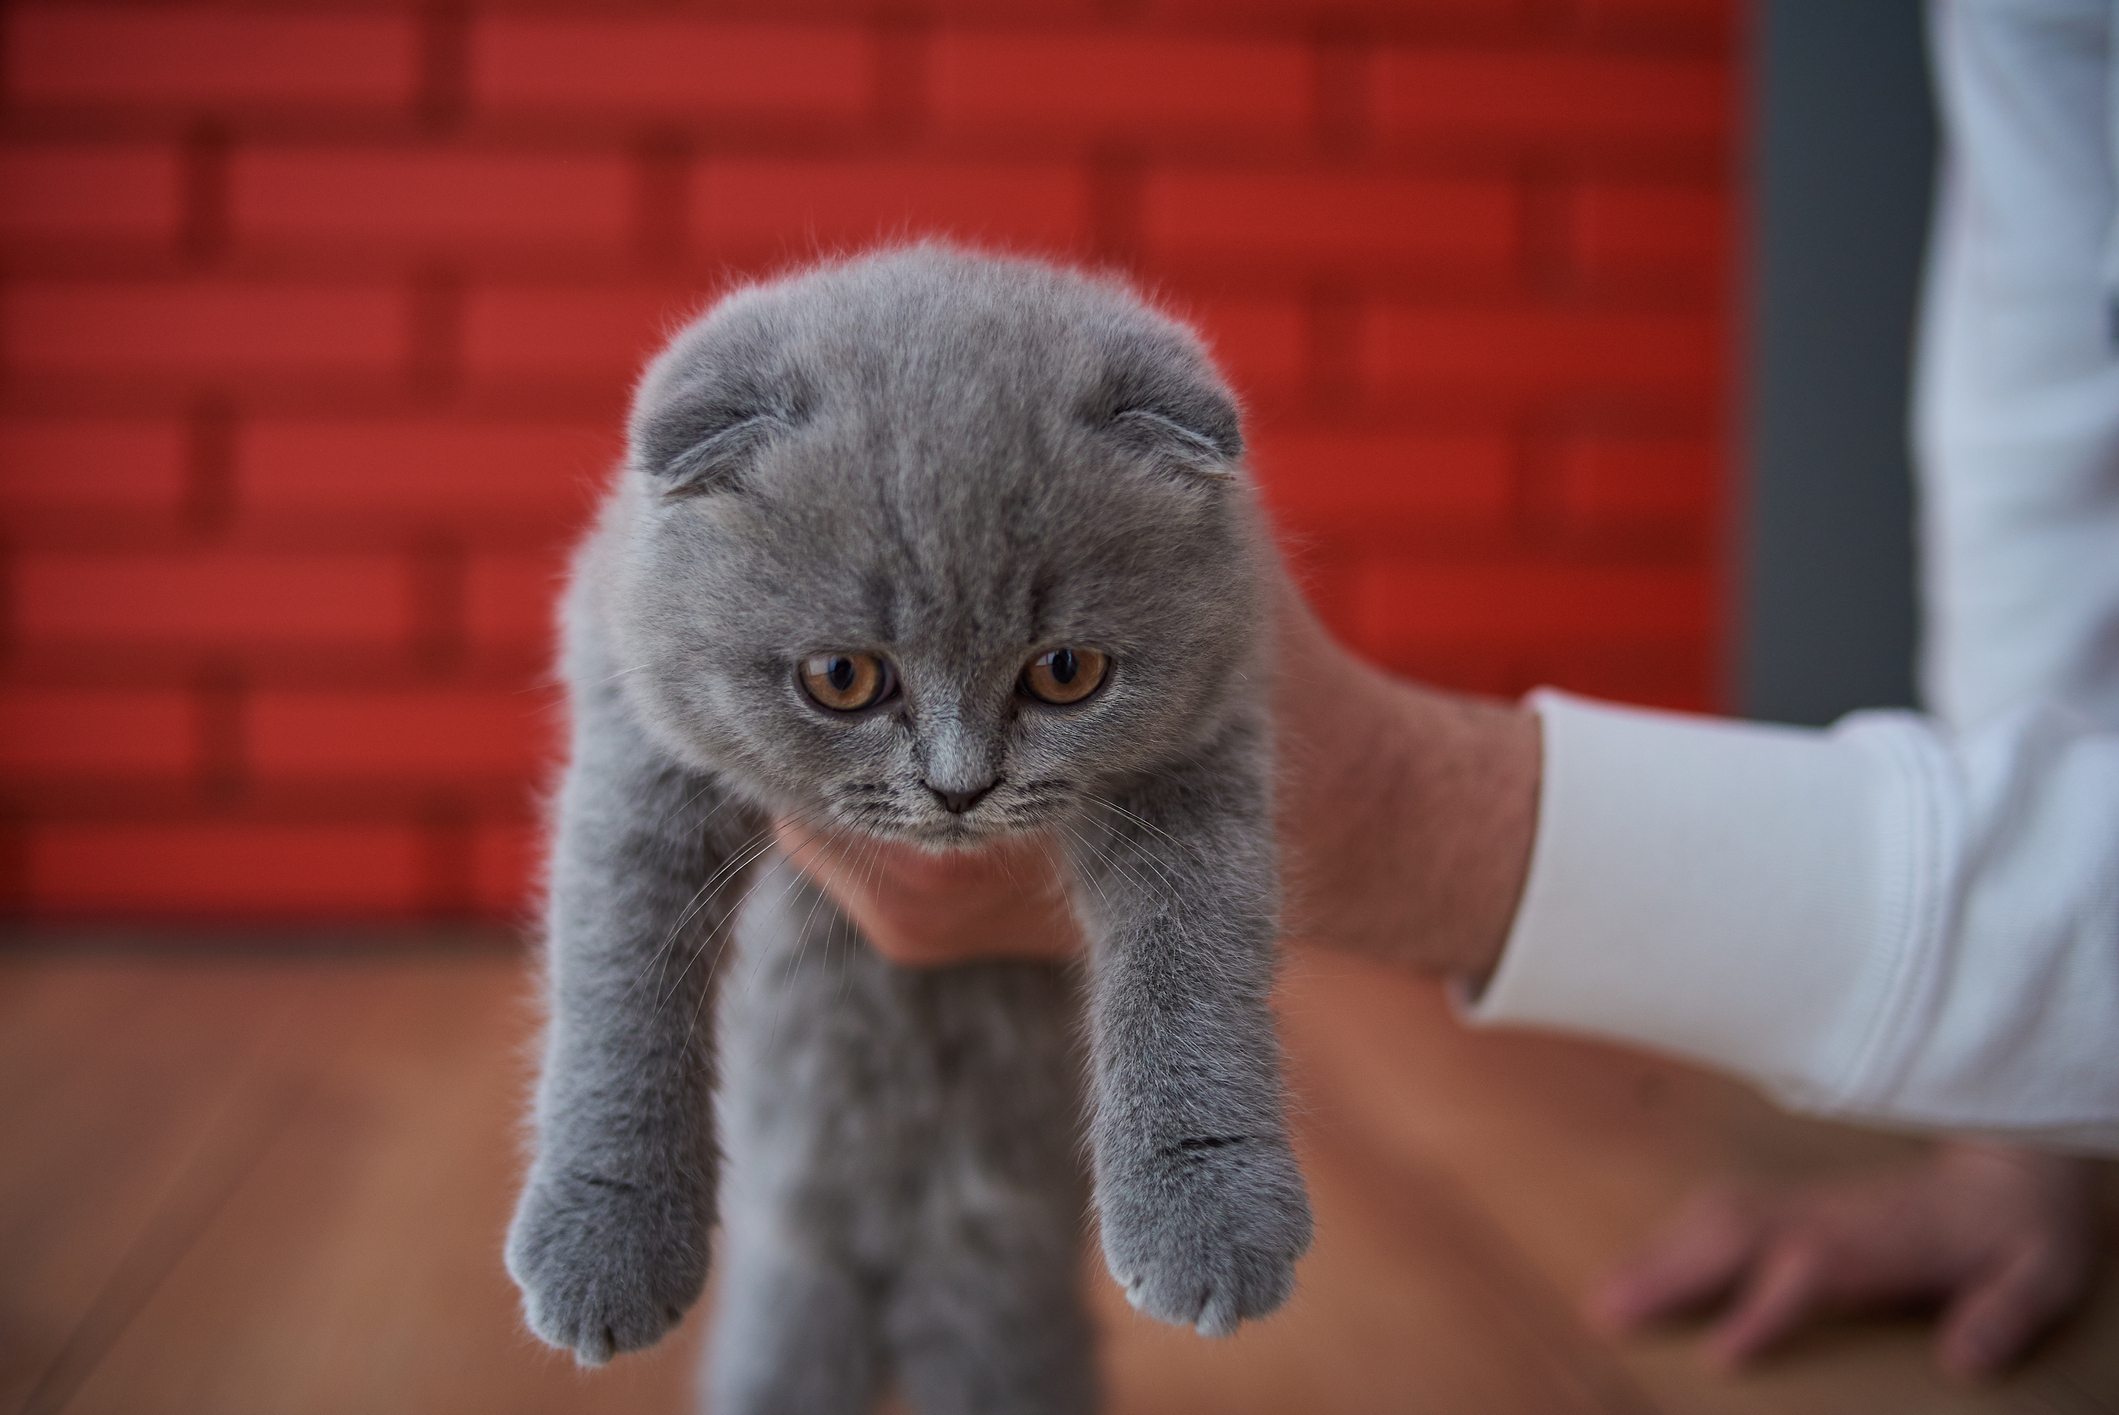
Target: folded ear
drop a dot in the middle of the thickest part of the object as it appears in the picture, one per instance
(1158, 435)
(718, 396)
(717, 460)
(1161, 398)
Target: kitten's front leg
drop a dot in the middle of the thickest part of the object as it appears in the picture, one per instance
(609, 1242)
(1200, 1201)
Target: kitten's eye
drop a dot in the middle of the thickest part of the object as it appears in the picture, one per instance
(1064, 675)
(847, 682)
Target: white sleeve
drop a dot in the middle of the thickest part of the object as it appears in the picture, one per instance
(1907, 920)
(2016, 399)
(1877, 922)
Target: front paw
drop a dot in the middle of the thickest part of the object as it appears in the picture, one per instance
(1204, 1232)
(605, 1265)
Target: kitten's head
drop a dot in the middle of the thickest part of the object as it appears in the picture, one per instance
(936, 546)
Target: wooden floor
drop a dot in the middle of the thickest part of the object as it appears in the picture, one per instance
(233, 1185)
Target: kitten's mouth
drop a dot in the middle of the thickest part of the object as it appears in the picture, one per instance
(871, 810)
(957, 834)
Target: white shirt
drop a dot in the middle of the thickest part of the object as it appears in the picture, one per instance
(1907, 920)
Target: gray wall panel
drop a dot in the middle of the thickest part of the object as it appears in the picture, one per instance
(1844, 140)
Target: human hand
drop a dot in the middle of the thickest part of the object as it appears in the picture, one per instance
(923, 908)
(1405, 827)
(2002, 1237)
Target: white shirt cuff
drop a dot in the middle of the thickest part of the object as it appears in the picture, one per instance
(1713, 890)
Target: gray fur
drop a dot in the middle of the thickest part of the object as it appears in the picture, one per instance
(959, 463)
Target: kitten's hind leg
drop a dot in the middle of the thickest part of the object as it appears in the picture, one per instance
(985, 1314)
(809, 1188)
(792, 1335)
(979, 1327)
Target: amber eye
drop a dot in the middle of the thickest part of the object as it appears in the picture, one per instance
(1064, 675)
(847, 682)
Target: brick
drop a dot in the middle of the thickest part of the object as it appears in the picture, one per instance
(1388, 482)
(66, 732)
(507, 869)
(1712, 21)
(1679, 677)
(678, 67)
(1550, 99)
(1144, 88)
(799, 206)
(1616, 482)
(203, 328)
(1541, 604)
(226, 870)
(1309, 15)
(207, 600)
(93, 465)
(1529, 351)
(1004, 12)
(1261, 346)
(472, 200)
(478, 478)
(1327, 220)
(192, 55)
(440, 736)
(78, 191)
(1634, 228)
(597, 333)
(512, 601)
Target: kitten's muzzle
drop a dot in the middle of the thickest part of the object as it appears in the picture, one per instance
(958, 802)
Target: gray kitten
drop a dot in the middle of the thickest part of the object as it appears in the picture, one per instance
(933, 548)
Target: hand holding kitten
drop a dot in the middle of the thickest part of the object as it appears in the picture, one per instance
(923, 908)
(1991, 1230)
(1406, 817)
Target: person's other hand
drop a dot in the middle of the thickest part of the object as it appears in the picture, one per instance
(923, 908)
(2002, 1237)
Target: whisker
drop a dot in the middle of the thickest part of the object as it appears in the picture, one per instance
(1089, 847)
(738, 860)
(796, 880)
(724, 932)
(691, 907)
(1152, 860)
(1136, 818)
(1101, 845)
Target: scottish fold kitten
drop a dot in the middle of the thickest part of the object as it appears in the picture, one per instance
(934, 548)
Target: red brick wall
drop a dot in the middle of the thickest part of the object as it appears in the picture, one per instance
(316, 323)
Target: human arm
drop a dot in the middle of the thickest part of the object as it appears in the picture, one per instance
(2016, 423)
(1764, 900)
(1404, 817)
(1884, 922)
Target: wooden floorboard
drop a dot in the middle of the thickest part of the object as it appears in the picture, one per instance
(235, 1186)
(133, 1093)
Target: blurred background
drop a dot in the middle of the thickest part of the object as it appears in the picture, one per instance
(318, 322)
(1573, 335)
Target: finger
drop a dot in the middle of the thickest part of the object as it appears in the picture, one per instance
(1993, 1322)
(1691, 1261)
(1783, 1288)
